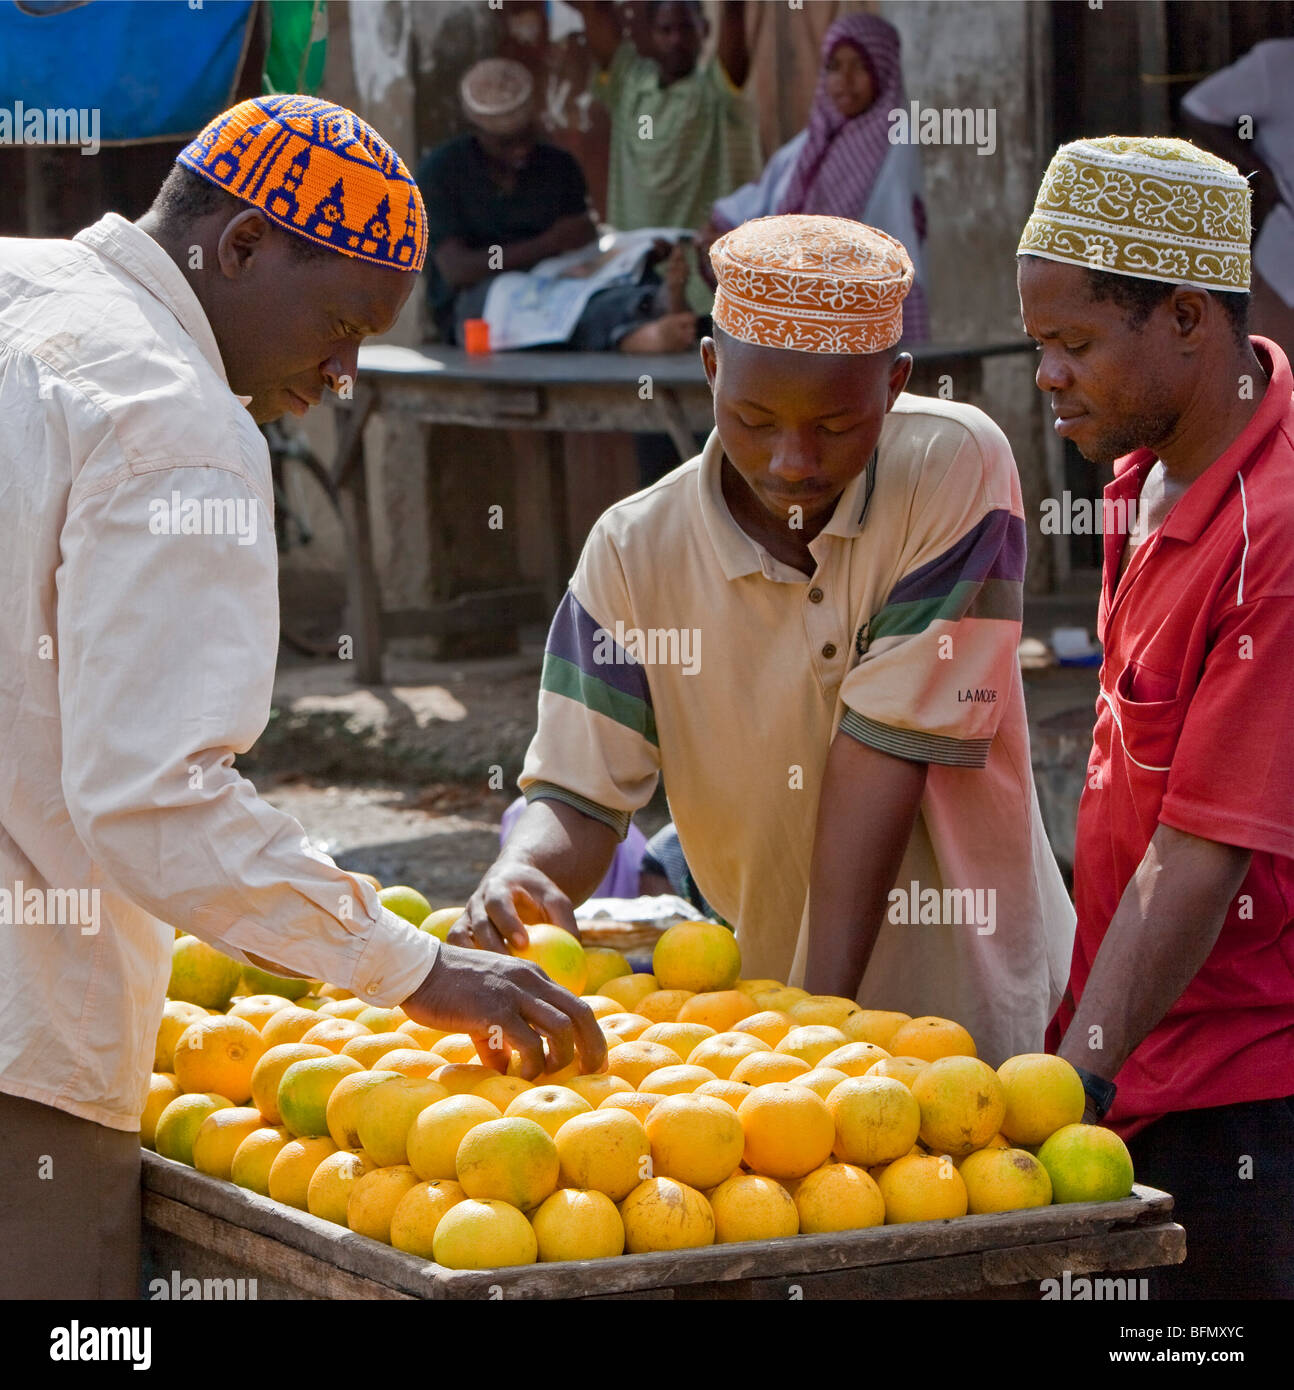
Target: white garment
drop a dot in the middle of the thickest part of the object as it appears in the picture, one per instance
(888, 206)
(1259, 86)
(134, 666)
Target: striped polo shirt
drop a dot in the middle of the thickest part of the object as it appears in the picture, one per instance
(684, 649)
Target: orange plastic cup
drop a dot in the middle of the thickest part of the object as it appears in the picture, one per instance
(476, 335)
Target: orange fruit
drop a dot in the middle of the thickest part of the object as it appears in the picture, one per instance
(558, 954)
(729, 1091)
(294, 1166)
(675, 1081)
(606, 1151)
(697, 956)
(304, 1089)
(1042, 1093)
(484, 1235)
(634, 1060)
(202, 975)
(341, 1111)
(874, 1026)
(822, 1080)
(640, 1104)
(749, 1207)
(811, 1042)
(720, 1010)
(218, 1054)
(268, 1072)
(219, 1136)
(459, 1078)
(437, 1131)
(385, 1114)
(421, 1035)
(331, 1183)
(627, 990)
(1086, 1163)
(680, 1037)
(922, 1187)
(510, 1160)
(769, 1026)
(379, 1020)
(1004, 1180)
(931, 1037)
(825, 1010)
(854, 1059)
(250, 1167)
(904, 1069)
(455, 1047)
(347, 1007)
(367, 1051)
(176, 1017)
(721, 1053)
(411, 1061)
(597, 1086)
(179, 1122)
(257, 1009)
(573, 1225)
(664, 1214)
(289, 1025)
(418, 1214)
(374, 1198)
(789, 1130)
(335, 1033)
(838, 1197)
(618, 1028)
(603, 964)
(877, 1120)
(754, 987)
(961, 1102)
(405, 902)
(664, 1005)
(600, 1005)
(548, 1106)
(762, 1067)
(254, 980)
(501, 1090)
(163, 1088)
(698, 1140)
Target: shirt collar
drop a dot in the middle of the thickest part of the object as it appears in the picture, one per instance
(1200, 502)
(738, 553)
(142, 258)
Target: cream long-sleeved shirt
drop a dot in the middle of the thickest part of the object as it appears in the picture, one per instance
(138, 635)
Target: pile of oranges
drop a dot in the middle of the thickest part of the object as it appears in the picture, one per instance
(730, 1110)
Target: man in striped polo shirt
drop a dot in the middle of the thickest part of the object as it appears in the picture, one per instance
(810, 630)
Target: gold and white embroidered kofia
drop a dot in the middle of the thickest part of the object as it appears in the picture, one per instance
(812, 283)
(1149, 207)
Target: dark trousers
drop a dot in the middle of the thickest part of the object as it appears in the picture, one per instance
(69, 1205)
(1239, 1229)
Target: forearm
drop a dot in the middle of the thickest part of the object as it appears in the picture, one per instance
(1162, 932)
(866, 811)
(570, 848)
(731, 45)
(462, 266)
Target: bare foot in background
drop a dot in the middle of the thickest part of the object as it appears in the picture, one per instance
(673, 333)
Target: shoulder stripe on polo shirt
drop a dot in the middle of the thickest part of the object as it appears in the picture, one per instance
(584, 663)
(980, 576)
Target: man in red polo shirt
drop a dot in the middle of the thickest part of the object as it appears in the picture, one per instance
(1133, 278)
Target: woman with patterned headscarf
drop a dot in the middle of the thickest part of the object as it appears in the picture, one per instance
(842, 163)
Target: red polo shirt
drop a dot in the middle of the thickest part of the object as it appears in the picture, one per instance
(1195, 730)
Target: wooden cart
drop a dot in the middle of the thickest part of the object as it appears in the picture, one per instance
(198, 1228)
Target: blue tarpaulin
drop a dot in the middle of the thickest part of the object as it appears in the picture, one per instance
(153, 69)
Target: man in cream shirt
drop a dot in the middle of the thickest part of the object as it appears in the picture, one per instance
(137, 657)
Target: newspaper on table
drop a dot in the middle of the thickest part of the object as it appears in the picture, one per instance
(526, 308)
(660, 911)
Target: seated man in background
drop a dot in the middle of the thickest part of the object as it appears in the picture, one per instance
(501, 199)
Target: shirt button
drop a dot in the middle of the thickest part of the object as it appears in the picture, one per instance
(815, 595)
(829, 650)
(373, 988)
